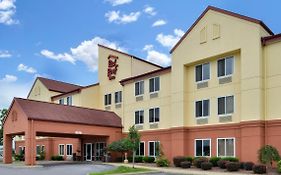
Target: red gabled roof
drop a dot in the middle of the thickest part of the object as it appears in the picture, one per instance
(257, 21)
(270, 39)
(44, 111)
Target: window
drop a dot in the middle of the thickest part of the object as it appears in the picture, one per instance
(202, 72)
(202, 108)
(140, 150)
(154, 147)
(225, 66)
(61, 101)
(154, 84)
(118, 97)
(43, 148)
(69, 150)
(139, 88)
(139, 117)
(69, 100)
(202, 147)
(154, 115)
(38, 149)
(61, 150)
(107, 99)
(226, 105)
(226, 147)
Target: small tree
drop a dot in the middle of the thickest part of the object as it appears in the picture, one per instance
(268, 154)
(122, 146)
(2, 116)
(134, 137)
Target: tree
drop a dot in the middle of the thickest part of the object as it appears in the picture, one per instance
(2, 116)
(122, 146)
(134, 137)
(268, 154)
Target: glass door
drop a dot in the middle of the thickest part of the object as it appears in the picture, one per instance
(88, 151)
(99, 150)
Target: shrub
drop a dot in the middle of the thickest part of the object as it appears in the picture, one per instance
(248, 166)
(118, 159)
(242, 165)
(130, 159)
(199, 160)
(232, 166)
(279, 166)
(19, 157)
(186, 164)
(177, 160)
(206, 165)
(268, 154)
(222, 164)
(138, 159)
(148, 159)
(214, 161)
(231, 159)
(259, 169)
(57, 157)
(189, 159)
(162, 162)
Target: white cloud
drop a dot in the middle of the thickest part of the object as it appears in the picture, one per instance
(116, 17)
(156, 57)
(170, 40)
(5, 54)
(8, 79)
(22, 67)
(150, 10)
(159, 22)
(86, 52)
(147, 47)
(7, 11)
(118, 2)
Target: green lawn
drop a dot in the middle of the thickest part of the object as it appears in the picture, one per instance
(122, 169)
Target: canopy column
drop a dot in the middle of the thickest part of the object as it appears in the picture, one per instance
(30, 143)
(7, 159)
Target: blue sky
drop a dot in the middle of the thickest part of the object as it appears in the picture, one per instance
(57, 39)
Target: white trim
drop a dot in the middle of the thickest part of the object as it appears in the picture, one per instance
(202, 81)
(143, 148)
(107, 105)
(225, 114)
(148, 152)
(202, 117)
(120, 98)
(71, 149)
(91, 152)
(154, 92)
(59, 153)
(234, 146)
(154, 115)
(135, 117)
(139, 95)
(233, 67)
(203, 147)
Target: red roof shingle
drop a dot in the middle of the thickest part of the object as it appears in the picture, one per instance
(58, 86)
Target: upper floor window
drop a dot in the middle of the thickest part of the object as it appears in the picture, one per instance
(61, 101)
(154, 115)
(202, 108)
(139, 88)
(107, 99)
(118, 97)
(225, 105)
(139, 115)
(202, 72)
(154, 84)
(225, 66)
(69, 100)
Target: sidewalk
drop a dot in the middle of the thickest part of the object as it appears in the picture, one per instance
(174, 170)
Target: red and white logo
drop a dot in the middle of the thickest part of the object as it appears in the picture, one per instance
(112, 67)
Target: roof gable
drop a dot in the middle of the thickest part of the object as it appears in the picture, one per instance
(58, 86)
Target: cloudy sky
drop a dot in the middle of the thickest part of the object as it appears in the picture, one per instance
(58, 39)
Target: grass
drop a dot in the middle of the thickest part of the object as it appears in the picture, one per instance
(121, 170)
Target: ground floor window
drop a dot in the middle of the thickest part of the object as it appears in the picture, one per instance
(140, 150)
(61, 150)
(153, 147)
(38, 149)
(202, 147)
(69, 150)
(226, 147)
(43, 148)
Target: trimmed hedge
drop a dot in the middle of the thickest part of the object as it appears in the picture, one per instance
(199, 160)
(162, 162)
(189, 159)
(214, 161)
(177, 160)
(57, 158)
(259, 169)
(222, 164)
(148, 159)
(206, 165)
(186, 164)
(248, 166)
(230, 159)
(242, 165)
(138, 159)
(232, 166)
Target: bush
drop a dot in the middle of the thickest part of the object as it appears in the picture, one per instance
(248, 166)
(279, 166)
(231, 159)
(162, 162)
(222, 164)
(147, 159)
(242, 165)
(259, 169)
(118, 159)
(206, 165)
(214, 161)
(232, 166)
(268, 154)
(58, 158)
(189, 159)
(19, 157)
(177, 160)
(199, 160)
(186, 164)
(138, 159)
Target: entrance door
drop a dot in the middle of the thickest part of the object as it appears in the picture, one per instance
(100, 150)
(88, 151)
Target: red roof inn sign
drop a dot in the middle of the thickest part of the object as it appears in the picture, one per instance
(112, 67)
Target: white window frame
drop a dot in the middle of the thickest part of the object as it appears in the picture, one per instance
(61, 99)
(230, 75)
(138, 95)
(234, 146)
(139, 124)
(148, 152)
(67, 100)
(143, 148)
(154, 85)
(39, 149)
(119, 97)
(202, 72)
(59, 153)
(202, 117)
(154, 114)
(106, 99)
(43, 146)
(67, 149)
(226, 114)
(202, 147)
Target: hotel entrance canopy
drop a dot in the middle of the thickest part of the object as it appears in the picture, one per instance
(34, 118)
